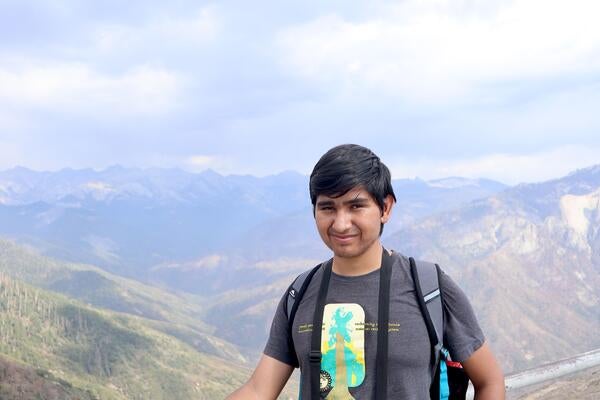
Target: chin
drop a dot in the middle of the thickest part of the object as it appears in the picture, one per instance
(349, 251)
(346, 252)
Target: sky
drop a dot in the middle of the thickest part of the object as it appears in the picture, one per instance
(507, 90)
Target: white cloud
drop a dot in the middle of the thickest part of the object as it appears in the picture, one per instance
(144, 87)
(197, 27)
(201, 162)
(77, 88)
(10, 154)
(506, 168)
(442, 51)
(12, 123)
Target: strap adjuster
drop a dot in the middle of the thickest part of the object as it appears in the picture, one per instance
(315, 356)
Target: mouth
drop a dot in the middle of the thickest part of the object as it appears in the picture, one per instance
(343, 238)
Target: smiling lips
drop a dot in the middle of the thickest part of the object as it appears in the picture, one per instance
(343, 238)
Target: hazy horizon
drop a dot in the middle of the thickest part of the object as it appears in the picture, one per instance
(435, 88)
(209, 170)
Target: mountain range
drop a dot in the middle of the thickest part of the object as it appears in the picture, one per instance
(529, 259)
(202, 259)
(149, 224)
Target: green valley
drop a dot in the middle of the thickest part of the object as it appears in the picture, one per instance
(106, 354)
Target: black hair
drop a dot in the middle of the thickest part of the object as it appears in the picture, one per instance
(346, 167)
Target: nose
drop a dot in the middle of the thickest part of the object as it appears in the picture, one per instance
(342, 222)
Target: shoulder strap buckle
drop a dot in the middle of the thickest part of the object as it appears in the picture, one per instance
(315, 357)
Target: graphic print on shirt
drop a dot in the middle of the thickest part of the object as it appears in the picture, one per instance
(343, 350)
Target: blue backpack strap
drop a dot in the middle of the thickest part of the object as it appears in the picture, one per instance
(426, 279)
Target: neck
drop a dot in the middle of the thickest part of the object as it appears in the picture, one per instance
(369, 261)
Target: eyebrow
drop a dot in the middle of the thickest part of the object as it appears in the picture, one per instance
(356, 200)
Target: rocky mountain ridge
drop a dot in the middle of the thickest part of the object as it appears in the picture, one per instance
(529, 259)
(133, 221)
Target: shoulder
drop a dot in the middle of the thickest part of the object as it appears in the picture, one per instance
(400, 261)
(298, 287)
(303, 280)
(404, 261)
(425, 272)
(426, 269)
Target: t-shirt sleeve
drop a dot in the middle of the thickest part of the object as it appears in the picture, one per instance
(462, 334)
(278, 343)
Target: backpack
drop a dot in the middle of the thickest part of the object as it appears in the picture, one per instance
(450, 381)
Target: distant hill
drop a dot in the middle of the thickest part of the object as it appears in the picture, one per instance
(129, 221)
(529, 258)
(176, 315)
(55, 347)
(19, 381)
(106, 354)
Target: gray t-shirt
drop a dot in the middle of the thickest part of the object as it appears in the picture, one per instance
(349, 338)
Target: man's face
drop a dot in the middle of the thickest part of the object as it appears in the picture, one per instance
(349, 225)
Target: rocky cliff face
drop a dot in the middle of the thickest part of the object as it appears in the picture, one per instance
(529, 260)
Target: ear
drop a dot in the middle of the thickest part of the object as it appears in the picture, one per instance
(388, 203)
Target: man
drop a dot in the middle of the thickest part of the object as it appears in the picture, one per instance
(352, 197)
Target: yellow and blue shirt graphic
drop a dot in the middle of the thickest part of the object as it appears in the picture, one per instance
(342, 349)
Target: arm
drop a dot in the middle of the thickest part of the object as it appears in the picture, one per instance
(486, 374)
(267, 381)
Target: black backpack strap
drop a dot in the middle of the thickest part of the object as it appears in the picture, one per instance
(315, 338)
(295, 293)
(426, 279)
(383, 316)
